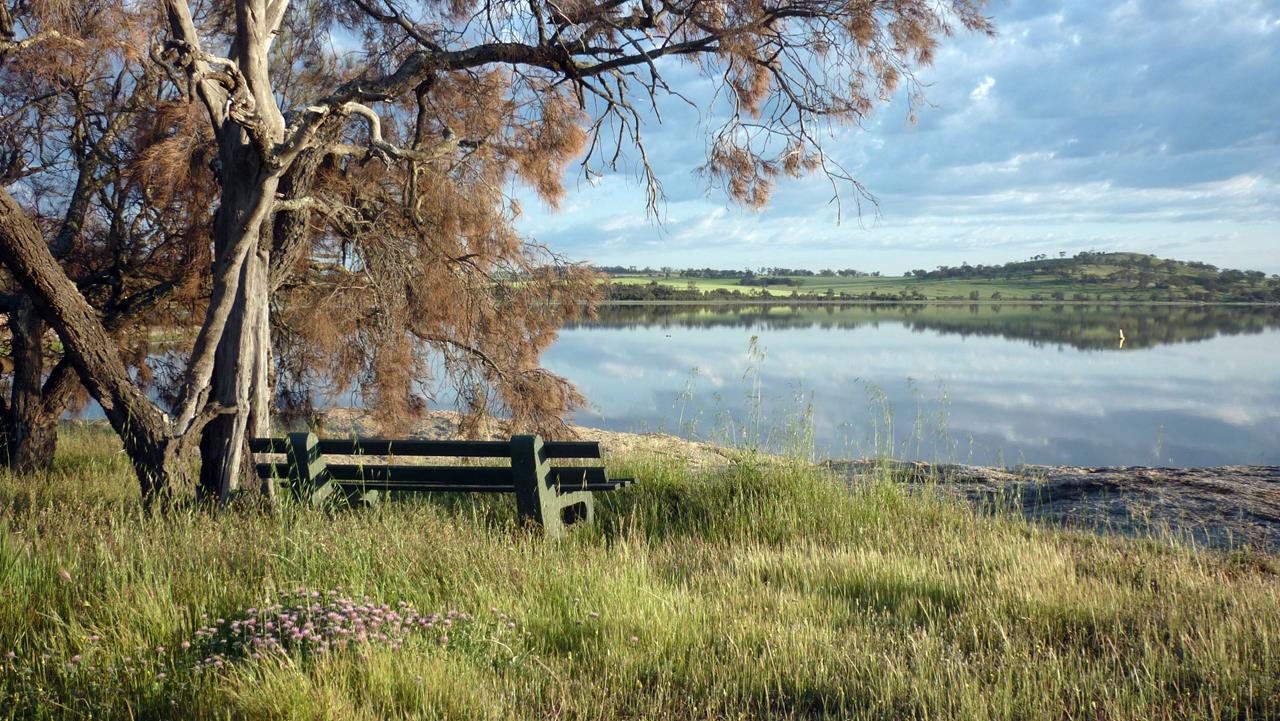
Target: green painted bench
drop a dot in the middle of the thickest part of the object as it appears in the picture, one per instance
(550, 496)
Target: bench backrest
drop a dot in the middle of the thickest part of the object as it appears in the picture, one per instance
(550, 496)
(421, 448)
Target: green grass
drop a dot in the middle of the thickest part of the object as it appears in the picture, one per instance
(941, 289)
(1167, 280)
(768, 591)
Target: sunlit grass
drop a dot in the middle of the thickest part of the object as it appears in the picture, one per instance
(765, 591)
(1021, 288)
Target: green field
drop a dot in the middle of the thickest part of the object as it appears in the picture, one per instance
(765, 591)
(950, 289)
(1124, 277)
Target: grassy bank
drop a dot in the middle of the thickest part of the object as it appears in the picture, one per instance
(1088, 276)
(906, 287)
(766, 591)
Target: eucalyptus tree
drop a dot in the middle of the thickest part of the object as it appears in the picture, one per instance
(365, 151)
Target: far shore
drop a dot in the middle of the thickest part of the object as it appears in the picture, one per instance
(172, 335)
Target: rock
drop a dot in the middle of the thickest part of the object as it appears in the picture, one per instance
(1224, 507)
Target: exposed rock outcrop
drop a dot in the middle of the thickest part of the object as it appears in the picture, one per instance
(1224, 507)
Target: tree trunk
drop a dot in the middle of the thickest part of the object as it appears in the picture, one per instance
(238, 377)
(240, 381)
(259, 420)
(141, 426)
(32, 432)
(240, 370)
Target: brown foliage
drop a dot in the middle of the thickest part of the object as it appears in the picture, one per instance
(418, 261)
(373, 187)
(420, 282)
(114, 173)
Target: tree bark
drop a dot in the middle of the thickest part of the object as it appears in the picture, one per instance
(240, 366)
(142, 428)
(237, 377)
(32, 433)
(239, 381)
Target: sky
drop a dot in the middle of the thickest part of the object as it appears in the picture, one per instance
(1136, 125)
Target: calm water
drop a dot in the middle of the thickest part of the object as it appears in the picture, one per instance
(976, 384)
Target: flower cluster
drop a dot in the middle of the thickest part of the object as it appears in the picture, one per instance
(314, 622)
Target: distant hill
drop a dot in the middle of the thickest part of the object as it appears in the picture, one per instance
(1087, 276)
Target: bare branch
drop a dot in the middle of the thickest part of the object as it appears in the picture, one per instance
(191, 59)
(8, 45)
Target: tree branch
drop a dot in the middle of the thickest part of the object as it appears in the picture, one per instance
(14, 46)
(187, 40)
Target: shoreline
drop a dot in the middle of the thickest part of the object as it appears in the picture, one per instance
(1229, 508)
(1225, 507)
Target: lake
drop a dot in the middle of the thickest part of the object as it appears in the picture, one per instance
(984, 384)
(965, 383)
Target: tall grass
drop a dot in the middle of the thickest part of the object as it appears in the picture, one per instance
(765, 591)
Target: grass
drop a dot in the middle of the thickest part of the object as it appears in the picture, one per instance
(1024, 285)
(765, 591)
(932, 289)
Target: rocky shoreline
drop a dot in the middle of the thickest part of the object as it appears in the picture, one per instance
(1227, 507)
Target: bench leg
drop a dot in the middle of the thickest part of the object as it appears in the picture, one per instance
(577, 507)
(536, 500)
(360, 497)
(307, 470)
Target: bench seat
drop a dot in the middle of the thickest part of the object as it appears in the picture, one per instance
(551, 496)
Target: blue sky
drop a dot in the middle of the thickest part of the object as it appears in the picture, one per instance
(1144, 125)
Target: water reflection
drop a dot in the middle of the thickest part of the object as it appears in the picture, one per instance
(1083, 326)
(1191, 385)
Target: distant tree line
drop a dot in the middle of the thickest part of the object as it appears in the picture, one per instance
(745, 274)
(665, 292)
(1088, 276)
(1166, 279)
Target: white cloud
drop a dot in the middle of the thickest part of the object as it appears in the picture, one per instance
(983, 89)
(1113, 125)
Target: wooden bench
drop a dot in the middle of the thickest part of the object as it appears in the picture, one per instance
(551, 496)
